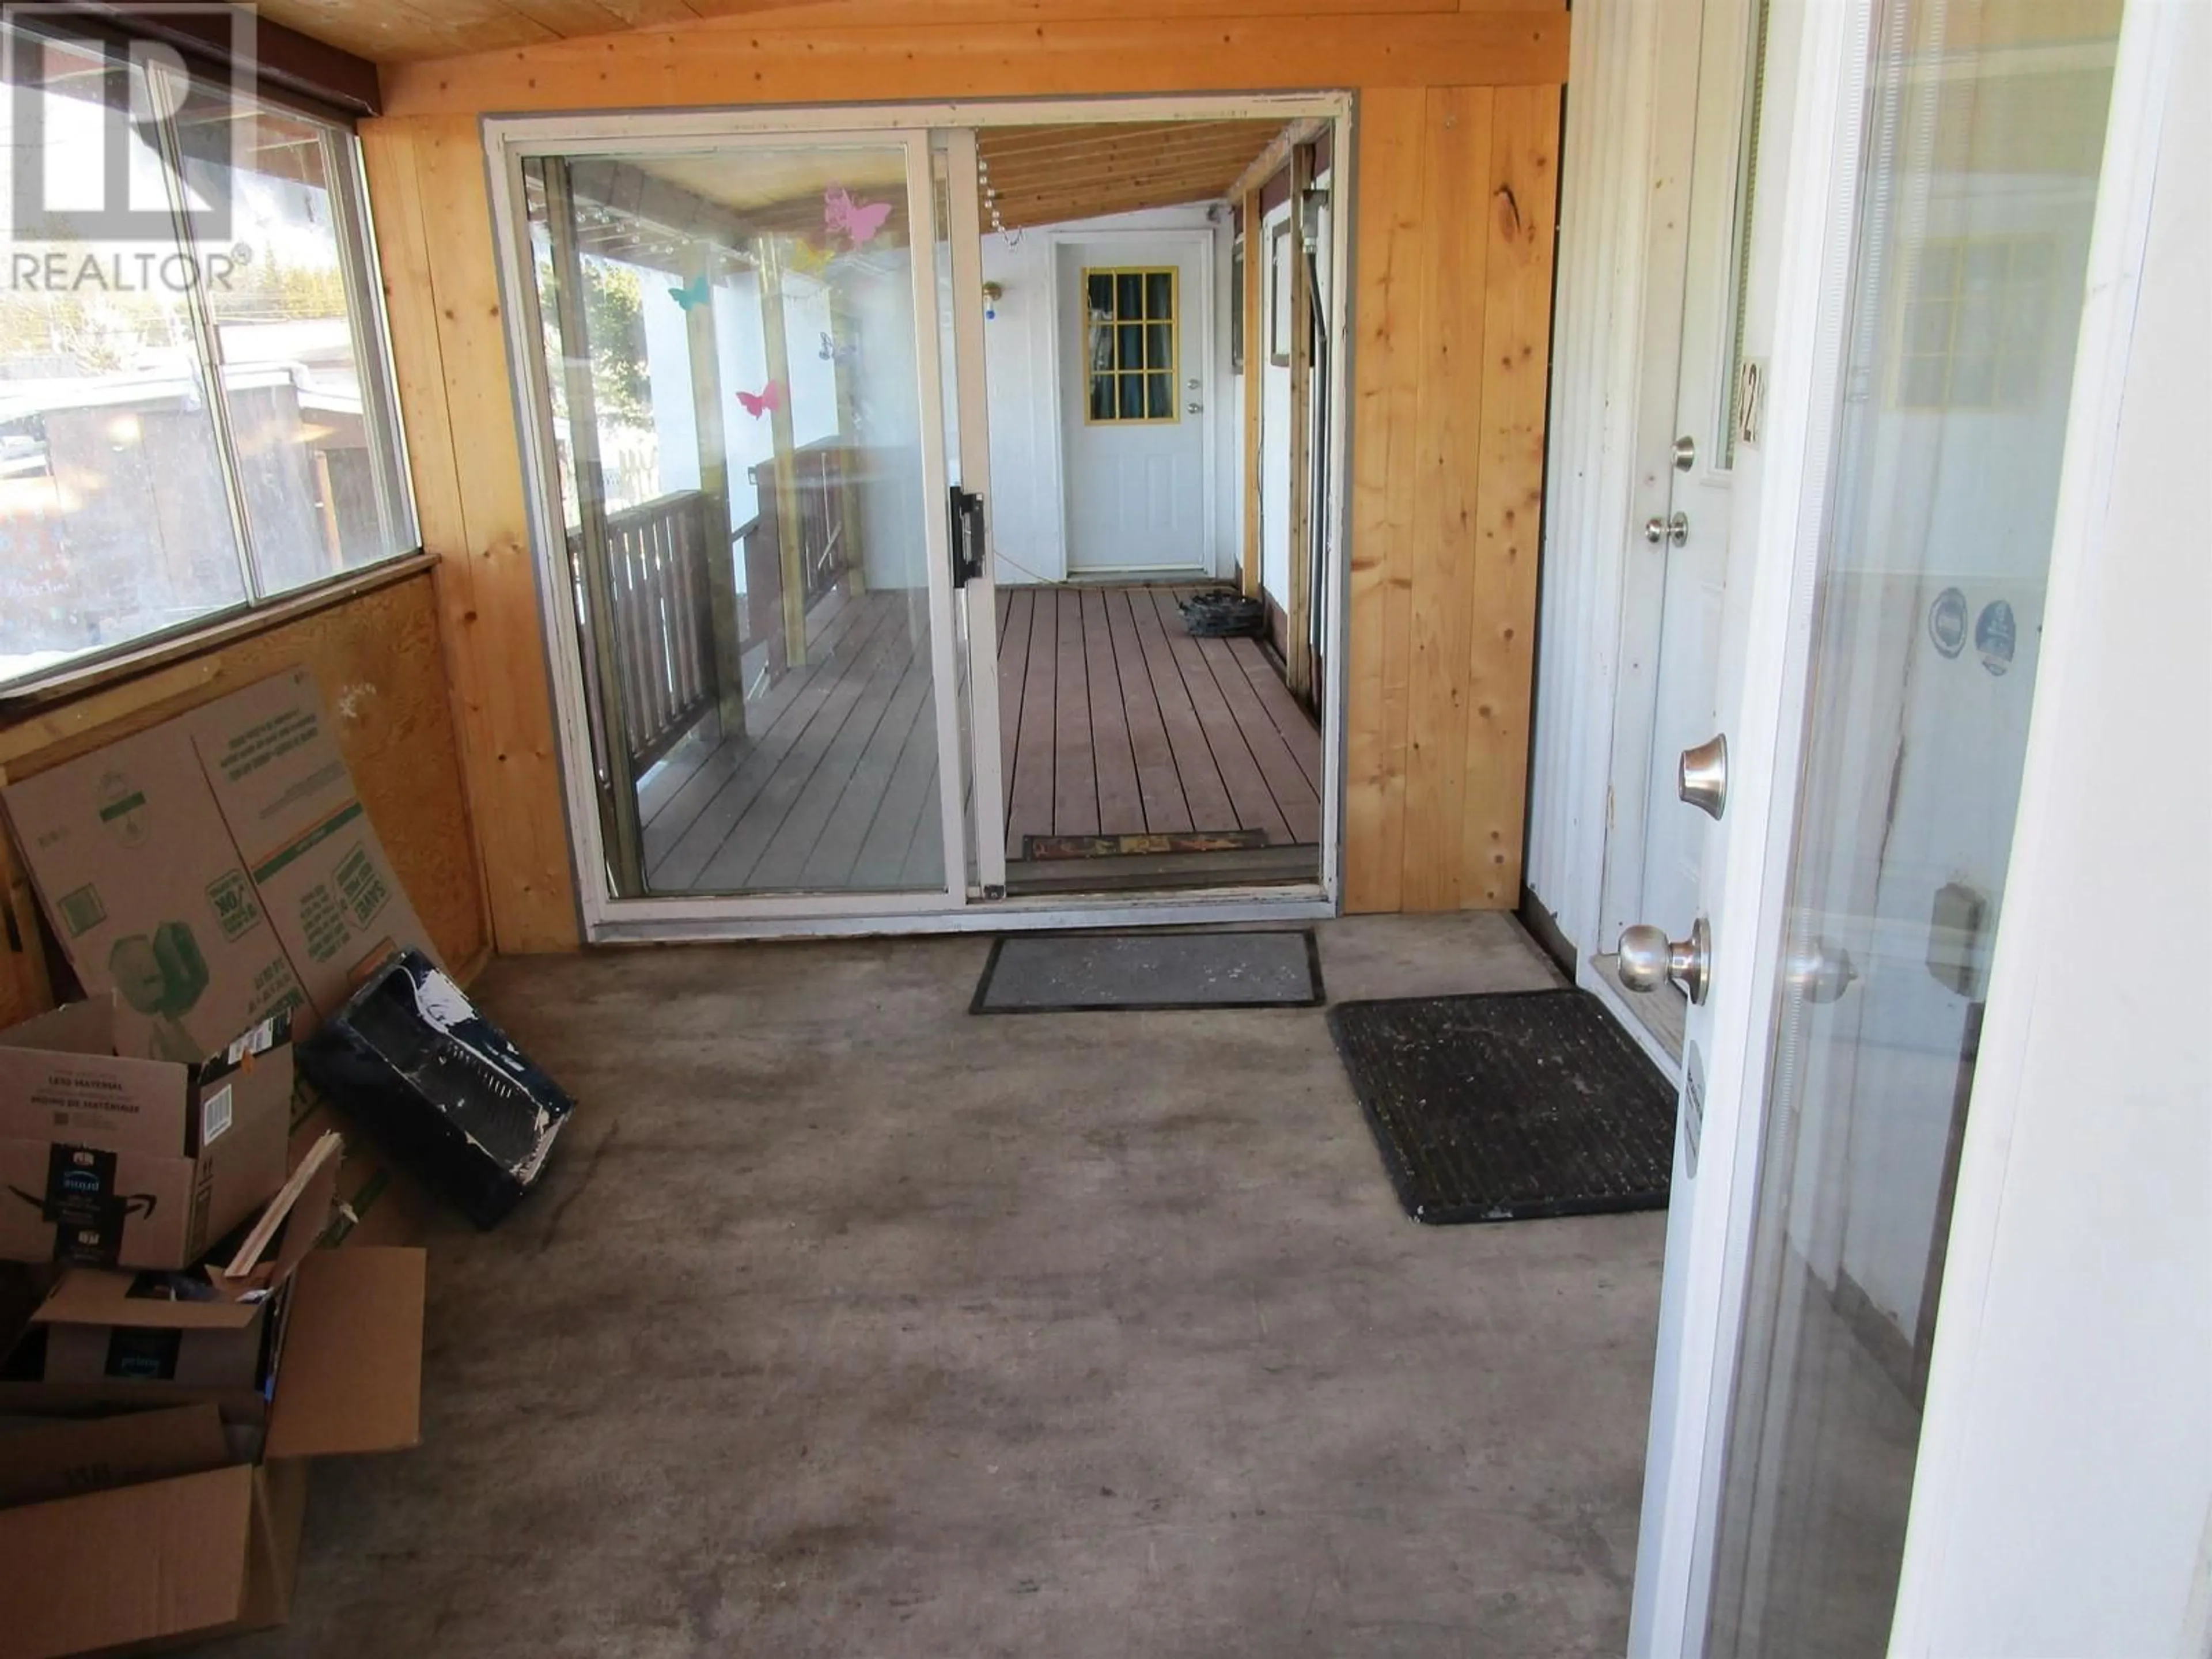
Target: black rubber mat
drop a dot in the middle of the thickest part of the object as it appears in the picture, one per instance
(1063, 973)
(1509, 1107)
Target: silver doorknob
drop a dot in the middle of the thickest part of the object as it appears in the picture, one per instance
(1674, 530)
(1701, 776)
(1649, 959)
(1818, 969)
(1193, 409)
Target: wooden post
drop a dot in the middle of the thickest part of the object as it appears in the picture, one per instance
(791, 552)
(1297, 633)
(616, 786)
(848, 447)
(1254, 299)
(711, 414)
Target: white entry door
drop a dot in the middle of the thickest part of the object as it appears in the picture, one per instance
(1132, 354)
(1915, 288)
(1676, 579)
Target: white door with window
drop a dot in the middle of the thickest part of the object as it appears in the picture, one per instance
(1133, 350)
(1915, 296)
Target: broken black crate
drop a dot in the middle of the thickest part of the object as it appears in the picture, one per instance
(444, 1090)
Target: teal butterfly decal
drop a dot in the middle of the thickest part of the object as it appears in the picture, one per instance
(693, 293)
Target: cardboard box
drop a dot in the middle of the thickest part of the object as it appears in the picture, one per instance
(289, 807)
(130, 1163)
(214, 870)
(105, 1340)
(212, 1551)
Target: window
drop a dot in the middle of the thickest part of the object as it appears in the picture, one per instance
(195, 412)
(1974, 323)
(1129, 344)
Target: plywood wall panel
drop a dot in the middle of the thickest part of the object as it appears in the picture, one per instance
(378, 661)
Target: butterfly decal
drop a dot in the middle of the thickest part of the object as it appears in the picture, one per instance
(859, 221)
(810, 260)
(831, 352)
(757, 404)
(693, 293)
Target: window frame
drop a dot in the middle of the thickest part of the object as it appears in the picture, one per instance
(353, 231)
(1143, 371)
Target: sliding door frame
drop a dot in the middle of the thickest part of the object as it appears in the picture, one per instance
(961, 903)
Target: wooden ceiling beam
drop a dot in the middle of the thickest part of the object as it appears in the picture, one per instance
(1267, 161)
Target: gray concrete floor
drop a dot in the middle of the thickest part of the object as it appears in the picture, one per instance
(849, 1324)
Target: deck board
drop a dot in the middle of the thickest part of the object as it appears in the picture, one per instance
(1158, 783)
(1252, 804)
(1074, 766)
(1113, 720)
(1121, 802)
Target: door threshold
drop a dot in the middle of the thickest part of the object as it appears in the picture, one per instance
(1257, 866)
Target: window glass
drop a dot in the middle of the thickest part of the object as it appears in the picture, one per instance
(114, 521)
(306, 437)
(189, 422)
(1129, 344)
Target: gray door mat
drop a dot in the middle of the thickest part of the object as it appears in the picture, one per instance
(1509, 1107)
(1065, 973)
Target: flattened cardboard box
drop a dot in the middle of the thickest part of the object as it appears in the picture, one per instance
(137, 870)
(289, 804)
(129, 1163)
(214, 870)
(202, 1552)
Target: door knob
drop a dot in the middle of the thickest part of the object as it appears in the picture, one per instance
(1818, 970)
(1193, 409)
(1701, 776)
(1649, 959)
(1672, 530)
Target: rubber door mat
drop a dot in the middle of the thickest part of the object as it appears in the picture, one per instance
(1509, 1107)
(1062, 973)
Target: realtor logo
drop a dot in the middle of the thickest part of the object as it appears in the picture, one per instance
(119, 140)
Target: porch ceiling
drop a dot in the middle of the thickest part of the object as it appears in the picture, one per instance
(1046, 175)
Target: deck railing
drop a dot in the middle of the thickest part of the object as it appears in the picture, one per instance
(824, 475)
(657, 554)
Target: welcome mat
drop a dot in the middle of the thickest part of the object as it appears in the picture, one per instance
(1508, 1107)
(1063, 973)
(1036, 847)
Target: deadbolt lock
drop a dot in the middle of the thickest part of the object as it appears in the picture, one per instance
(1686, 453)
(1701, 776)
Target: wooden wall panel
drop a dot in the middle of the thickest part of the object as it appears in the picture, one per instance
(433, 216)
(1457, 136)
(741, 61)
(377, 658)
(1389, 366)
(1519, 207)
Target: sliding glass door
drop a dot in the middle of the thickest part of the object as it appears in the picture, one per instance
(742, 379)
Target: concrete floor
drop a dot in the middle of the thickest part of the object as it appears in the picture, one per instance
(849, 1324)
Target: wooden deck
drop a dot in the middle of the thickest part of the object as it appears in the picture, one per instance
(834, 787)
(1114, 720)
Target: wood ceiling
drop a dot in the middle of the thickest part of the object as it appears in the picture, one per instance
(1046, 175)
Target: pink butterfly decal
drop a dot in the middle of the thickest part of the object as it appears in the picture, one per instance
(757, 404)
(859, 221)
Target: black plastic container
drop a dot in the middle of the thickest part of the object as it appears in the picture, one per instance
(440, 1086)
